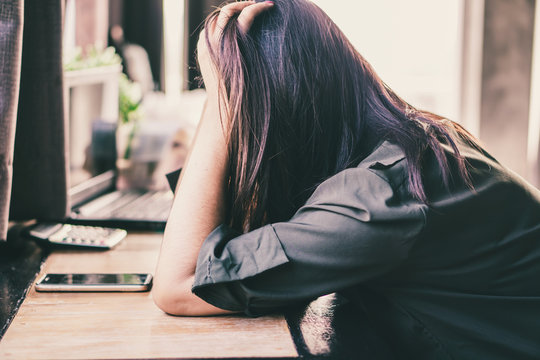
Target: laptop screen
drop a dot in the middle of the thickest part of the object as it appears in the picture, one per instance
(92, 159)
(160, 144)
(92, 150)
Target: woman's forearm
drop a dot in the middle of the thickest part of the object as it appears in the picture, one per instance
(197, 209)
(199, 205)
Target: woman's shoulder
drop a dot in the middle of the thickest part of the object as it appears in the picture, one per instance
(388, 162)
(377, 186)
(384, 155)
(379, 174)
(385, 166)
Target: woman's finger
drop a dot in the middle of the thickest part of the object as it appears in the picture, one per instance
(249, 13)
(229, 11)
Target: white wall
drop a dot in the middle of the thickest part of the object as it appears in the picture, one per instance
(533, 143)
(414, 45)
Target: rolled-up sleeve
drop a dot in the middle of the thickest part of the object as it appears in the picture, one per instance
(356, 226)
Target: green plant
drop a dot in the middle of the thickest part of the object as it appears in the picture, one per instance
(129, 108)
(95, 56)
(130, 94)
(129, 100)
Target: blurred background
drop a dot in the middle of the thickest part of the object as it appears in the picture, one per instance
(476, 62)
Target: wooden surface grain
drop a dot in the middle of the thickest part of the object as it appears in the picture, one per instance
(129, 325)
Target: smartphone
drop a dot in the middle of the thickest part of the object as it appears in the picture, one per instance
(94, 282)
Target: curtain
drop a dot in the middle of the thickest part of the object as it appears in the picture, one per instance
(33, 142)
(11, 25)
(39, 189)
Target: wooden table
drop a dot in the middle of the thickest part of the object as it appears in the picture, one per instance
(129, 325)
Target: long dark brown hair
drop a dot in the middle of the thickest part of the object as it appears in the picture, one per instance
(302, 105)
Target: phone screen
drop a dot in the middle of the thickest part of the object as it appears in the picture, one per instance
(94, 282)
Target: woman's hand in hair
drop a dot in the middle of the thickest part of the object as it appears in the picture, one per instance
(248, 11)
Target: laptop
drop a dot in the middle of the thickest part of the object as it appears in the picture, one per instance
(102, 194)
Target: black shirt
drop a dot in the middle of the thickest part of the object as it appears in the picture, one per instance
(456, 278)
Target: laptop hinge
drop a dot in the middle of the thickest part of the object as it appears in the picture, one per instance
(92, 187)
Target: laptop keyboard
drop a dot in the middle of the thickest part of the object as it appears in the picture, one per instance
(130, 205)
(151, 205)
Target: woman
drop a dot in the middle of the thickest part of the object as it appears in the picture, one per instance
(309, 176)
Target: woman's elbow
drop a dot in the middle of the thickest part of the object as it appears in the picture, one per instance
(184, 303)
(171, 299)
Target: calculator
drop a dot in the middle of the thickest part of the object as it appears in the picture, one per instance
(78, 235)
